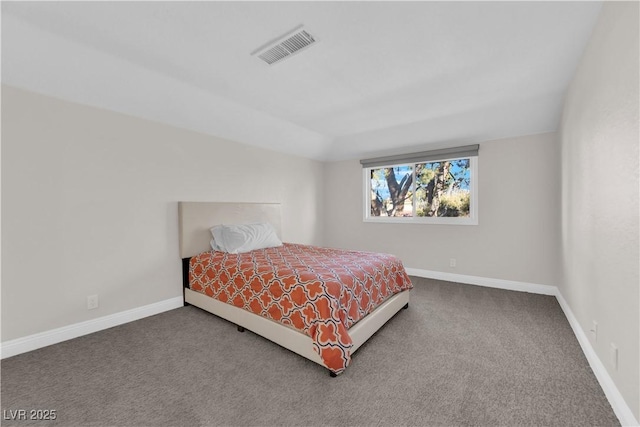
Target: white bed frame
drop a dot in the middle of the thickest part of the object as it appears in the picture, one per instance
(195, 220)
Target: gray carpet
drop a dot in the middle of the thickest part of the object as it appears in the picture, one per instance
(460, 355)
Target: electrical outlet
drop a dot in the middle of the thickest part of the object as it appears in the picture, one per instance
(594, 331)
(92, 302)
(452, 262)
(613, 354)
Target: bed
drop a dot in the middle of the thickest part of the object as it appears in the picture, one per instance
(305, 298)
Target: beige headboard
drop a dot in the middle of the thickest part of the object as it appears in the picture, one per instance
(196, 218)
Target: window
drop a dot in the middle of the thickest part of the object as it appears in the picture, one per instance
(436, 187)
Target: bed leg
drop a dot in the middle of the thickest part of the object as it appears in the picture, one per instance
(240, 329)
(332, 374)
(185, 279)
(405, 306)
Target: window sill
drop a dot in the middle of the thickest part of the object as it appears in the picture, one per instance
(422, 220)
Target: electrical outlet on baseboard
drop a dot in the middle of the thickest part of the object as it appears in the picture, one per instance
(452, 262)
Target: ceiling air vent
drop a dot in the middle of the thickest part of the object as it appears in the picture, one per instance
(286, 46)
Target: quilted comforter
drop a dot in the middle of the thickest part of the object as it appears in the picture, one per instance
(319, 291)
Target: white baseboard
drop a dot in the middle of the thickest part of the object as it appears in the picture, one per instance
(54, 336)
(620, 407)
(617, 402)
(484, 281)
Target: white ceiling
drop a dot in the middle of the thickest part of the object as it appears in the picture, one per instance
(384, 76)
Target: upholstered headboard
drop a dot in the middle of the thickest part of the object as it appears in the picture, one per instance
(196, 218)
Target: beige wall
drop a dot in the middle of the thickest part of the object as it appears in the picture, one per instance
(89, 206)
(600, 239)
(517, 237)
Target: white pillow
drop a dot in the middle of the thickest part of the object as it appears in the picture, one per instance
(217, 243)
(214, 246)
(237, 239)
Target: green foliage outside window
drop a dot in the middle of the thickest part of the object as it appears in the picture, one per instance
(443, 188)
(438, 189)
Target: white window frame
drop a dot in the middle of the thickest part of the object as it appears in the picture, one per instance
(472, 219)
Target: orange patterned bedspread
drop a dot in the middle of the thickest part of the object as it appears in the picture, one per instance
(319, 291)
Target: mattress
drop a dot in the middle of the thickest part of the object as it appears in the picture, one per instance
(320, 292)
